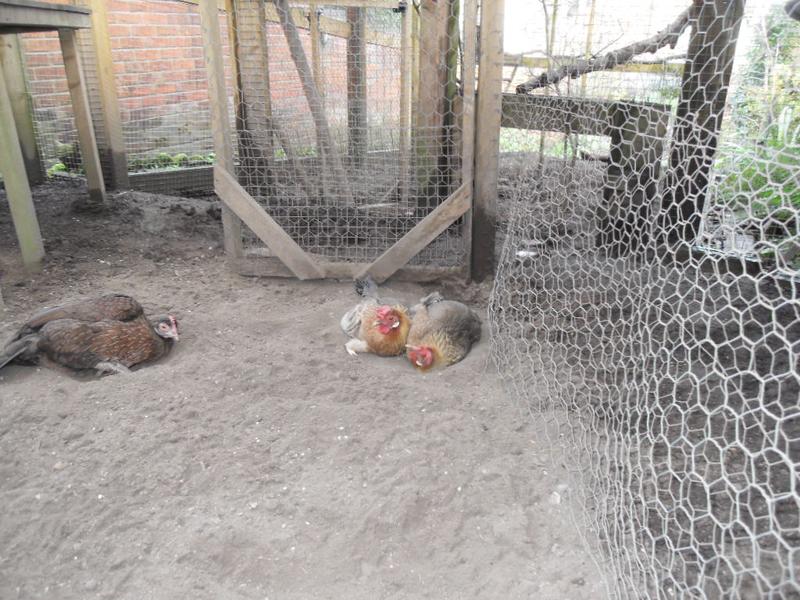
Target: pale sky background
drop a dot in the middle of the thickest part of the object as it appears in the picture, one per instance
(617, 22)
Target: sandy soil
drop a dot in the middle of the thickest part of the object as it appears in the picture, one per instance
(259, 460)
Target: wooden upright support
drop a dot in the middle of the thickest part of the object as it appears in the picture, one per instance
(114, 142)
(16, 84)
(83, 115)
(12, 168)
(704, 91)
(220, 124)
(487, 139)
(357, 85)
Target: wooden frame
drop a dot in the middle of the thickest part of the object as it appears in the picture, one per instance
(83, 115)
(19, 16)
(287, 258)
(113, 141)
(24, 16)
(16, 82)
(20, 200)
(487, 136)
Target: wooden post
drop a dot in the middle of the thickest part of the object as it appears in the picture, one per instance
(487, 139)
(406, 91)
(12, 167)
(430, 109)
(704, 90)
(247, 35)
(324, 138)
(468, 117)
(16, 84)
(220, 125)
(316, 48)
(357, 86)
(117, 175)
(83, 115)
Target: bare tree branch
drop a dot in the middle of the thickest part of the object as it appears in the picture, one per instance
(665, 37)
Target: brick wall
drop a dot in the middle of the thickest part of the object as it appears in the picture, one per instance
(162, 86)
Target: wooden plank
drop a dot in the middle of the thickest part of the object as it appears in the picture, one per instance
(316, 49)
(269, 266)
(180, 181)
(327, 25)
(557, 113)
(40, 16)
(540, 62)
(321, 126)
(90, 158)
(220, 125)
(422, 234)
(264, 226)
(17, 87)
(18, 192)
(351, 3)
(430, 108)
(406, 83)
(487, 139)
(704, 91)
(109, 102)
(468, 116)
(357, 86)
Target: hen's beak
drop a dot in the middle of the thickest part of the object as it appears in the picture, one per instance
(396, 325)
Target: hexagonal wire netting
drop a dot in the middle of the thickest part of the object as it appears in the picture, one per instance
(349, 123)
(662, 349)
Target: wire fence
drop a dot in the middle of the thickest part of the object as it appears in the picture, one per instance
(663, 349)
(343, 140)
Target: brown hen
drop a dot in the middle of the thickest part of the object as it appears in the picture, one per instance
(375, 325)
(111, 307)
(106, 346)
(442, 332)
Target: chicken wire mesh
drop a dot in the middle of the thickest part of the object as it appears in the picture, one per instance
(662, 348)
(162, 91)
(348, 123)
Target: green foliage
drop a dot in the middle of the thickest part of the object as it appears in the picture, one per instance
(763, 180)
(59, 167)
(164, 161)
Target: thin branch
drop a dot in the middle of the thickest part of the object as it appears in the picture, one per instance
(666, 37)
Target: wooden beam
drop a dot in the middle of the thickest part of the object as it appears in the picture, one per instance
(406, 84)
(17, 87)
(704, 91)
(264, 226)
(324, 138)
(316, 49)
(487, 136)
(540, 62)
(179, 181)
(21, 15)
(468, 116)
(357, 3)
(90, 158)
(357, 86)
(18, 192)
(252, 96)
(114, 142)
(270, 266)
(422, 234)
(430, 108)
(327, 25)
(220, 124)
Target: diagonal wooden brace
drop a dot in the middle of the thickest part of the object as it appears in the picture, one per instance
(423, 233)
(265, 227)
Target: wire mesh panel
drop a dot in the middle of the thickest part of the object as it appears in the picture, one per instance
(348, 125)
(646, 303)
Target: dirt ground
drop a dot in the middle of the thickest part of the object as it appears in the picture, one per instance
(259, 460)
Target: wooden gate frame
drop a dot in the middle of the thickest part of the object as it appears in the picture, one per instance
(290, 260)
